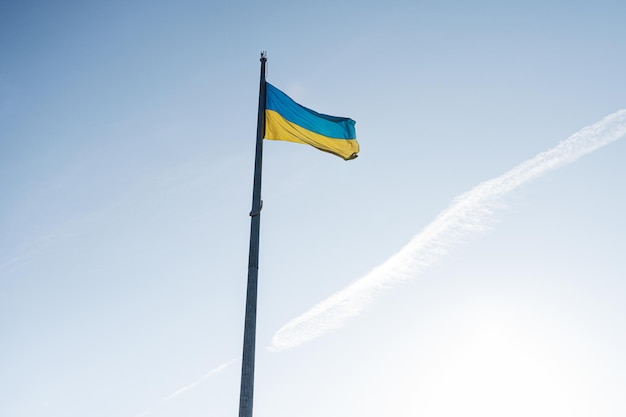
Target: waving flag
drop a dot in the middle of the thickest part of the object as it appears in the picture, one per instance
(287, 120)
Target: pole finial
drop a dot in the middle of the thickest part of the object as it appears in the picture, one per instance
(263, 55)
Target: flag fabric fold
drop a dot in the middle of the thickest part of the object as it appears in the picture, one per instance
(289, 121)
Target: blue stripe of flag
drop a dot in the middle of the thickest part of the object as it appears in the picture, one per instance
(329, 126)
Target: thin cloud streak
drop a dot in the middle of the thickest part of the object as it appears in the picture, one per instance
(188, 387)
(199, 381)
(470, 212)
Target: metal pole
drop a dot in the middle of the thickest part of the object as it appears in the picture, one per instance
(249, 335)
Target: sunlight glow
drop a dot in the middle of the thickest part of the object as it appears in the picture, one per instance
(502, 367)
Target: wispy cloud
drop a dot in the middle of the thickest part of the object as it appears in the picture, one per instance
(199, 381)
(6, 263)
(468, 213)
(188, 387)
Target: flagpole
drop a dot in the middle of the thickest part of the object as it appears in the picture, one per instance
(249, 335)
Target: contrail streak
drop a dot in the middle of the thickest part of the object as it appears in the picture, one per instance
(470, 212)
(199, 381)
(188, 387)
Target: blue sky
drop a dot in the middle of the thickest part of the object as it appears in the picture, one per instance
(126, 153)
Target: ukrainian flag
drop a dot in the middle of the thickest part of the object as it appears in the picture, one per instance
(287, 120)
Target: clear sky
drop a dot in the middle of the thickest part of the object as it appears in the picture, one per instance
(127, 134)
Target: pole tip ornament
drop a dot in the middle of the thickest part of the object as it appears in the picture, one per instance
(263, 55)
